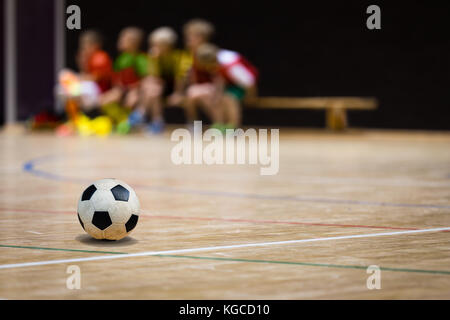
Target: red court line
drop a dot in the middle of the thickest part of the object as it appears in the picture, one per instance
(36, 210)
(281, 222)
(225, 220)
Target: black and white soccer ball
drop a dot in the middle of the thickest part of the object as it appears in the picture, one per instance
(108, 209)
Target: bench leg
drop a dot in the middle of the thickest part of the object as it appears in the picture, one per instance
(336, 119)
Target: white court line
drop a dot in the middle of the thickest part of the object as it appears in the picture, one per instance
(35, 232)
(178, 251)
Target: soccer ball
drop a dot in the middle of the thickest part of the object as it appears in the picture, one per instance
(108, 209)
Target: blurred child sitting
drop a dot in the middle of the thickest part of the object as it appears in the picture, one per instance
(94, 63)
(80, 92)
(129, 68)
(95, 74)
(196, 32)
(167, 67)
(220, 81)
(169, 70)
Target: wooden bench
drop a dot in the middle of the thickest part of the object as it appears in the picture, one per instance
(336, 107)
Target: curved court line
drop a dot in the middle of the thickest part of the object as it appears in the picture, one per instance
(235, 246)
(30, 167)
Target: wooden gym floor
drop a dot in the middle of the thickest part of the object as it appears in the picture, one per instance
(340, 203)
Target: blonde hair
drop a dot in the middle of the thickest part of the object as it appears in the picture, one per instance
(207, 53)
(163, 34)
(200, 27)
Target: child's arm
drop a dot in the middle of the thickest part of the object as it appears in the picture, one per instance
(182, 81)
(219, 84)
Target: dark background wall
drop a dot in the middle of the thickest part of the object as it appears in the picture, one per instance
(35, 74)
(2, 72)
(302, 48)
(34, 57)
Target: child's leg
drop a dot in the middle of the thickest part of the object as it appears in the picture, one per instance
(232, 104)
(213, 111)
(72, 108)
(232, 110)
(155, 108)
(152, 100)
(204, 96)
(113, 95)
(190, 110)
(131, 98)
(213, 108)
(151, 97)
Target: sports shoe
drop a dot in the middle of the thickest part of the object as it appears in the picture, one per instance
(156, 127)
(135, 118)
(123, 127)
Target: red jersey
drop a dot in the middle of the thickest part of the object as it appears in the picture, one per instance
(234, 68)
(99, 65)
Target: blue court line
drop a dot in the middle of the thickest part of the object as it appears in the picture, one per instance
(30, 167)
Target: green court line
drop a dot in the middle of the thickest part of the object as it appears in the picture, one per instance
(326, 265)
(60, 249)
(308, 264)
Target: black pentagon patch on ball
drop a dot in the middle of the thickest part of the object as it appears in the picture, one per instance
(101, 219)
(79, 219)
(120, 193)
(131, 223)
(87, 194)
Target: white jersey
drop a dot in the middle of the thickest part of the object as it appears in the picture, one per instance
(236, 69)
